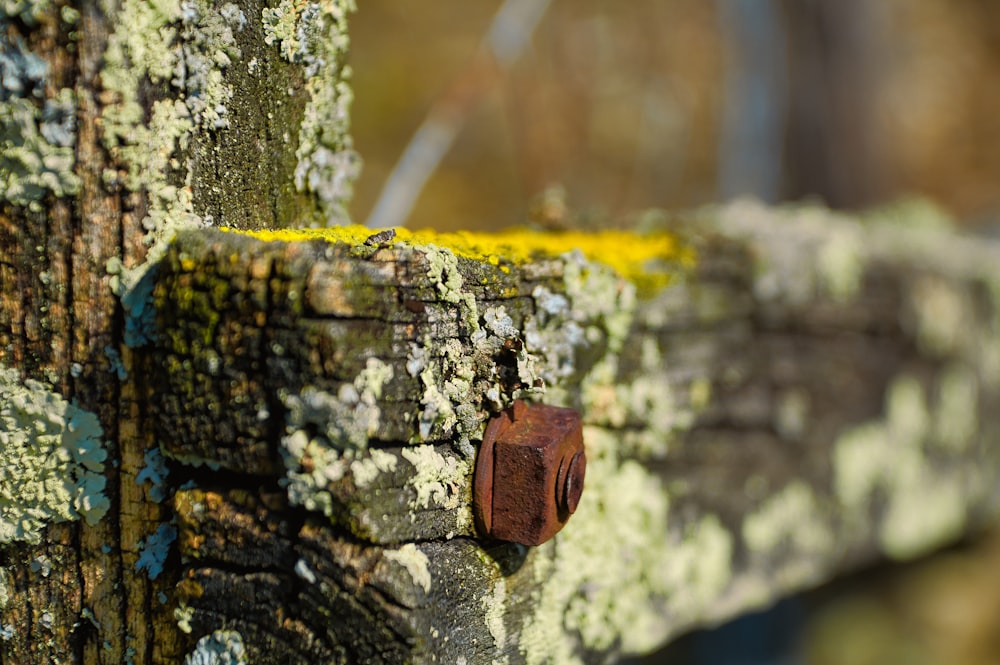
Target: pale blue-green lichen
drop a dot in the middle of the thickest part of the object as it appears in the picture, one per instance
(154, 549)
(51, 460)
(37, 133)
(792, 517)
(438, 481)
(29, 11)
(325, 434)
(315, 35)
(899, 456)
(208, 39)
(444, 271)
(185, 47)
(603, 581)
(414, 561)
(155, 473)
(304, 571)
(222, 647)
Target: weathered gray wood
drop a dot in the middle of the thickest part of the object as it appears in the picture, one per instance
(814, 393)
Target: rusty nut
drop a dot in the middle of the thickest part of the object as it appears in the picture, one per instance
(529, 473)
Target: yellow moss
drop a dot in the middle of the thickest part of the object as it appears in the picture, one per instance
(631, 255)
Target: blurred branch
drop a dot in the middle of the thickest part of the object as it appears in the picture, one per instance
(509, 32)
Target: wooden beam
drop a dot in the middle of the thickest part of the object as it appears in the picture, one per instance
(770, 398)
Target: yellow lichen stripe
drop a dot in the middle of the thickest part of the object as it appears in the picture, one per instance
(629, 254)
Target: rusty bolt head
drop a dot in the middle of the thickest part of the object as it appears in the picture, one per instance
(529, 473)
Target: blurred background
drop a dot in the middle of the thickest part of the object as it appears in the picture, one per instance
(678, 103)
(615, 107)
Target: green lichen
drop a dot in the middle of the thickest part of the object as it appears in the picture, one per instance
(222, 647)
(603, 581)
(37, 127)
(956, 419)
(841, 263)
(900, 457)
(315, 35)
(51, 460)
(414, 561)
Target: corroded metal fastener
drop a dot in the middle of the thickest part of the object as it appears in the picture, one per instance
(529, 473)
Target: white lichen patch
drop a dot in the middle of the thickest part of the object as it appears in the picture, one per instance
(903, 457)
(840, 263)
(808, 252)
(944, 317)
(222, 647)
(792, 524)
(553, 336)
(494, 609)
(414, 561)
(438, 480)
(462, 383)
(184, 48)
(444, 272)
(6, 588)
(325, 434)
(208, 48)
(304, 572)
(51, 460)
(367, 469)
(37, 129)
(436, 402)
(604, 577)
(791, 518)
(315, 35)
